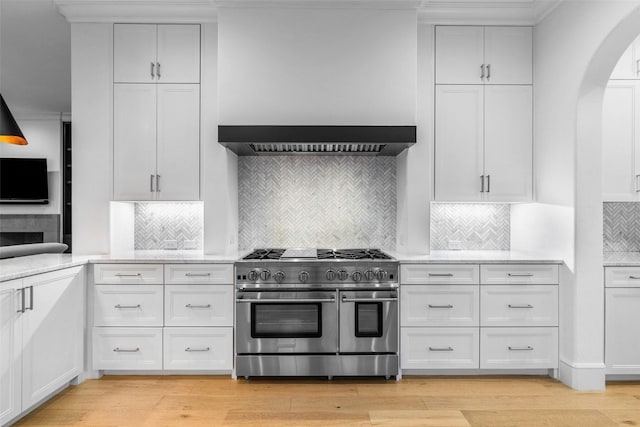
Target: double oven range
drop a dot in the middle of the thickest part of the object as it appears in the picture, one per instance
(316, 312)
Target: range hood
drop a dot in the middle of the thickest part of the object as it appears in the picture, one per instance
(318, 140)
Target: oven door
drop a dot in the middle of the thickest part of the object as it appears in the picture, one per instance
(369, 321)
(286, 322)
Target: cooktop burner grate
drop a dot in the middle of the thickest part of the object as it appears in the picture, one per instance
(322, 254)
(265, 254)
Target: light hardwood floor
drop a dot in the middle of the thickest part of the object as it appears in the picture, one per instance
(414, 401)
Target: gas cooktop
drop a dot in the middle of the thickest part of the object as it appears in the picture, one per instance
(316, 254)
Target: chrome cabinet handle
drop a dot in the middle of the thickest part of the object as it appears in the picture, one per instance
(482, 72)
(520, 274)
(190, 349)
(23, 308)
(128, 275)
(634, 277)
(158, 68)
(527, 348)
(158, 183)
(345, 299)
(30, 299)
(638, 67)
(285, 300)
(488, 183)
(488, 71)
(198, 306)
(151, 183)
(440, 348)
(520, 306)
(198, 274)
(440, 274)
(153, 76)
(482, 183)
(127, 306)
(440, 306)
(637, 176)
(126, 350)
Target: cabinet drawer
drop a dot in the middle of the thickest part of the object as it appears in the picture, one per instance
(198, 348)
(439, 305)
(518, 348)
(622, 277)
(207, 274)
(121, 274)
(439, 274)
(128, 305)
(127, 348)
(519, 305)
(198, 305)
(527, 274)
(439, 348)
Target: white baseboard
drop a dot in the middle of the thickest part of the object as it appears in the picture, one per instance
(582, 376)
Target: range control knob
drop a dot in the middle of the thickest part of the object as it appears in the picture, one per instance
(356, 276)
(380, 274)
(330, 275)
(343, 275)
(303, 276)
(368, 275)
(265, 274)
(253, 275)
(279, 276)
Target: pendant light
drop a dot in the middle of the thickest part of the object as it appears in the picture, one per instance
(9, 130)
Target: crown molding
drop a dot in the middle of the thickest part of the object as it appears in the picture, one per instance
(498, 12)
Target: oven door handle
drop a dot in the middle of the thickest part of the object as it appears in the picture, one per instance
(345, 299)
(285, 300)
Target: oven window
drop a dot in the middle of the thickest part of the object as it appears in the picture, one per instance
(290, 320)
(368, 319)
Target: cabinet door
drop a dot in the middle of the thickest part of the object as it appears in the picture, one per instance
(53, 328)
(10, 350)
(178, 54)
(459, 142)
(178, 143)
(508, 143)
(628, 67)
(508, 55)
(439, 305)
(198, 305)
(622, 342)
(134, 53)
(459, 55)
(439, 348)
(620, 121)
(134, 141)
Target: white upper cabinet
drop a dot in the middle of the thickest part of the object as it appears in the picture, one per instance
(621, 141)
(628, 67)
(483, 55)
(149, 53)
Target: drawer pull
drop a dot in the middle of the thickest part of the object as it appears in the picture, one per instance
(527, 348)
(634, 277)
(440, 274)
(520, 306)
(127, 306)
(128, 275)
(440, 306)
(520, 274)
(191, 349)
(198, 306)
(126, 350)
(198, 274)
(440, 348)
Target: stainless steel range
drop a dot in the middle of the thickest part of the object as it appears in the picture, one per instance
(316, 312)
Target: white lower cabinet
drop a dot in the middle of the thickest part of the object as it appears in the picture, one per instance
(198, 348)
(128, 305)
(198, 305)
(622, 341)
(41, 331)
(439, 348)
(518, 348)
(127, 348)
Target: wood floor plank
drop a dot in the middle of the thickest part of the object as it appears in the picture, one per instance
(276, 419)
(624, 417)
(357, 404)
(577, 400)
(401, 418)
(539, 418)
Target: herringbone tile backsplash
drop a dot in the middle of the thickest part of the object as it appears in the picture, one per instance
(621, 226)
(317, 201)
(157, 222)
(470, 226)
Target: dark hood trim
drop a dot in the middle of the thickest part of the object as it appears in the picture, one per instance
(334, 140)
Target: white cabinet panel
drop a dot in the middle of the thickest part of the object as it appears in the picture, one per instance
(439, 305)
(508, 55)
(459, 54)
(518, 348)
(128, 305)
(508, 143)
(124, 274)
(10, 350)
(628, 67)
(198, 348)
(622, 342)
(439, 348)
(459, 142)
(199, 305)
(134, 53)
(439, 274)
(622, 277)
(191, 274)
(519, 305)
(178, 54)
(525, 274)
(127, 348)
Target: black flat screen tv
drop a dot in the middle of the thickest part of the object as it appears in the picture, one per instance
(23, 181)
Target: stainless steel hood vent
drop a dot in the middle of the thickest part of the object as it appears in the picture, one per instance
(319, 140)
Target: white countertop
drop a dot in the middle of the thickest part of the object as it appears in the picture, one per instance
(19, 267)
(613, 259)
(484, 257)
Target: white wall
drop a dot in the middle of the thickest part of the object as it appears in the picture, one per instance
(568, 171)
(317, 66)
(44, 137)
